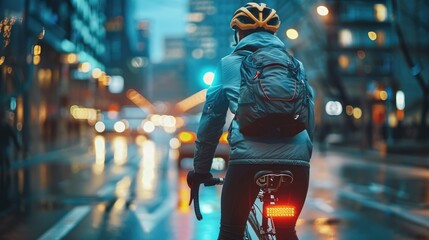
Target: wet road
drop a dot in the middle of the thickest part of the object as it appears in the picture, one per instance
(130, 188)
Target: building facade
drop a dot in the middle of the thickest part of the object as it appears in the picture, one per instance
(355, 61)
(46, 65)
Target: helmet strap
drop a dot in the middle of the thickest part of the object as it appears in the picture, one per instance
(236, 40)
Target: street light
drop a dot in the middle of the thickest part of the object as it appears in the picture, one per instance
(208, 78)
(322, 10)
(292, 34)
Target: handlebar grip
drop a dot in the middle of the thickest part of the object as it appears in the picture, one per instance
(195, 194)
(213, 181)
(197, 203)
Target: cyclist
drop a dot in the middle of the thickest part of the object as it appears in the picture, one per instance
(255, 26)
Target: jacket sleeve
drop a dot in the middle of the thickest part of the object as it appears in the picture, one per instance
(211, 125)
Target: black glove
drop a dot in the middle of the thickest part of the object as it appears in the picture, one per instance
(194, 178)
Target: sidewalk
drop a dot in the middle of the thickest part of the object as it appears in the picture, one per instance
(415, 215)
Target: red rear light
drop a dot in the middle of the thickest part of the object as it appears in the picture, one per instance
(279, 211)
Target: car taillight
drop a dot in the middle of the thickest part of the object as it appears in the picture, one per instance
(279, 211)
(224, 138)
(187, 137)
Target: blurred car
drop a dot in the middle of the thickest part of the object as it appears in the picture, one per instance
(130, 120)
(187, 137)
(134, 117)
(109, 121)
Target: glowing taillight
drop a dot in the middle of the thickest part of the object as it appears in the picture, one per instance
(224, 138)
(186, 137)
(279, 211)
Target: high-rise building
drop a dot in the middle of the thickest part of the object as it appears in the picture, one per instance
(127, 53)
(49, 56)
(353, 56)
(201, 42)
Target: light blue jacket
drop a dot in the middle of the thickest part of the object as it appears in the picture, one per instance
(223, 94)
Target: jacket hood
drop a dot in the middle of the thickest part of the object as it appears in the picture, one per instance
(259, 40)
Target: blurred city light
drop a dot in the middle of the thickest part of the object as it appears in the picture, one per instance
(138, 62)
(383, 95)
(96, 73)
(120, 150)
(349, 110)
(195, 17)
(37, 50)
(100, 127)
(116, 84)
(192, 101)
(148, 174)
(357, 113)
(344, 61)
(82, 113)
(372, 35)
(139, 100)
(292, 33)
(392, 120)
(361, 54)
(346, 37)
(84, 67)
(186, 136)
(333, 108)
(197, 53)
(119, 126)
(12, 104)
(100, 154)
(380, 12)
(148, 126)
(322, 10)
(41, 34)
(208, 78)
(71, 58)
(400, 100)
(174, 143)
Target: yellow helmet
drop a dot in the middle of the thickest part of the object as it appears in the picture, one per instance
(255, 16)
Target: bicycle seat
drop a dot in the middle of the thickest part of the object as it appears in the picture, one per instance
(262, 177)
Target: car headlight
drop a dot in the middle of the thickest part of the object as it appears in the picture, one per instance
(119, 127)
(99, 127)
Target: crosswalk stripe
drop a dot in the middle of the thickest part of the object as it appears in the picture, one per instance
(66, 224)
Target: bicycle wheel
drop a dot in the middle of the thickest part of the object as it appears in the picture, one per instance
(247, 235)
(255, 225)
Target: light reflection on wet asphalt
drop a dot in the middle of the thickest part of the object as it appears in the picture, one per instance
(124, 188)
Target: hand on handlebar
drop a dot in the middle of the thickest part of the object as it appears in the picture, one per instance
(194, 178)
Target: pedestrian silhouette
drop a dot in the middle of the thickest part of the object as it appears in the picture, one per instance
(7, 135)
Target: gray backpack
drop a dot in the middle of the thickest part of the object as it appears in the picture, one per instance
(275, 98)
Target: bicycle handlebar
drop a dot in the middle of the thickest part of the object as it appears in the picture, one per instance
(195, 190)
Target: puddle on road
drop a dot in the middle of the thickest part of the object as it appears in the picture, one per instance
(387, 186)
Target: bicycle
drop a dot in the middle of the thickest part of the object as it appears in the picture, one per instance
(261, 219)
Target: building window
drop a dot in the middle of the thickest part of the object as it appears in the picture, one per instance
(380, 12)
(346, 37)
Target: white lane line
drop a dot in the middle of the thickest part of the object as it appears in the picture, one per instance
(106, 190)
(148, 221)
(66, 224)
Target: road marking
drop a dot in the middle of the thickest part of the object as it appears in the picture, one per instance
(66, 224)
(322, 205)
(148, 221)
(106, 190)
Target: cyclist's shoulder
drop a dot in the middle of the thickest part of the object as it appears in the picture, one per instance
(232, 58)
(230, 67)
